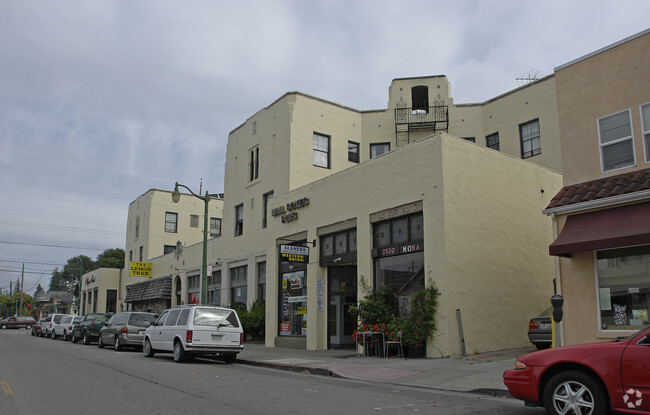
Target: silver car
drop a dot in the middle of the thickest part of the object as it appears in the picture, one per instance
(125, 329)
(188, 331)
(540, 330)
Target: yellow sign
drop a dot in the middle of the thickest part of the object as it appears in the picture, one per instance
(141, 269)
(302, 310)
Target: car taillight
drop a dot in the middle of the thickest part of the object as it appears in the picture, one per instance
(188, 336)
(125, 331)
(532, 325)
(241, 338)
(92, 323)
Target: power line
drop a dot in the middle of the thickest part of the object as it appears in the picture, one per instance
(52, 246)
(23, 223)
(32, 262)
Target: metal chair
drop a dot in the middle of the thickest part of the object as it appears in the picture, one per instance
(397, 342)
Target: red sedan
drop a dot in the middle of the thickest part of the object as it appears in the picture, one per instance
(587, 379)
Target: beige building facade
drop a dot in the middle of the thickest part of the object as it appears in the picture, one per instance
(99, 291)
(601, 217)
(305, 175)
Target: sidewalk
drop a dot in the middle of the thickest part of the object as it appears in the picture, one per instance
(481, 373)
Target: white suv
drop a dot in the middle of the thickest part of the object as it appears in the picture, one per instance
(187, 331)
(61, 327)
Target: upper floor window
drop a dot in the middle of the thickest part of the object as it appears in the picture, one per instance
(168, 249)
(321, 150)
(254, 164)
(215, 227)
(353, 152)
(267, 197)
(239, 220)
(377, 149)
(470, 139)
(492, 141)
(171, 222)
(616, 141)
(420, 99)
(194, 221)
(137, 226)
(645, 125)
(531, 142)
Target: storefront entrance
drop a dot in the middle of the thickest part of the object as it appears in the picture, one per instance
(342, 293)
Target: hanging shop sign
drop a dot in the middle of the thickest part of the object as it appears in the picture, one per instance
(140, 269)
(288, 211)
(294, 253)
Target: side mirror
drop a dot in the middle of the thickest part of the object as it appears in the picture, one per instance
(152, 323)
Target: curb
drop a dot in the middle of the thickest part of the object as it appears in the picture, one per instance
(497, 393)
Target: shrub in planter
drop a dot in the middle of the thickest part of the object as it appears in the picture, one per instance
(253, 320)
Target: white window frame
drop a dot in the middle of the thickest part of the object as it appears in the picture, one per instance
(619, 140)
(322, 145)
(373, 154)
(645, 130)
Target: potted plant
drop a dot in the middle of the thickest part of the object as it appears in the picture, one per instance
(420, 324)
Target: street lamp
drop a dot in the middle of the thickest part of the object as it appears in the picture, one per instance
(176, 196)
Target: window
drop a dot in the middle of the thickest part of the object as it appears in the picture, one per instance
(470, 139)
(353, 152)
(616, 143)
(141, 253)
(215, 227)
(194, 221)
(623, 287)
(531, 142)
(214, 288)
(378, 149)
(337, 248)
(321, 151)
(267, 197)
(171, 221)
(137, 227)
(293, 303)
(254, 164)
(420, 99)
(261, 281)
(492, 141)
(238, 289)
(645, 126)
(169, 249)
(239, 220)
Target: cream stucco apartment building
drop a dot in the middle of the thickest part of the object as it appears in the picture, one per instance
(602, 214)
(319, 196)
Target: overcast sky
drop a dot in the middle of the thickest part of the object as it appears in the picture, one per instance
(102, 100)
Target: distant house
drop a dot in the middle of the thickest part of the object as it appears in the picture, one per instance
(51, 302)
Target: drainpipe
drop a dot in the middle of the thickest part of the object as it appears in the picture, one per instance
(558, 274)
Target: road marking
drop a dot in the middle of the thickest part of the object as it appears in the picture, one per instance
(6, 388)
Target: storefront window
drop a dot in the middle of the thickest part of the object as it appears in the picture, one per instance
(293, 313)
(404, 275)
(624, 287)
(238, 286)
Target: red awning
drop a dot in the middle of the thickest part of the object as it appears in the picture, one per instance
(603, 229)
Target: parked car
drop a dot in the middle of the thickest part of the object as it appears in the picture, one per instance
(17, 322)
(36, 328)
(540, 330)
(188, 331)
(60, 327)
(586, 379)
(125, 329)
(88, 327)
(48, 324)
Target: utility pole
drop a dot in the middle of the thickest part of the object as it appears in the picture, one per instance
(22, 285)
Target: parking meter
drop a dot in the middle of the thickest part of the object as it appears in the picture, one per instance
(557, 301)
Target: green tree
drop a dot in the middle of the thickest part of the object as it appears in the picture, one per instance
(110, 258)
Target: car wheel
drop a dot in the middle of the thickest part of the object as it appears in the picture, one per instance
(100, 342)
(4, 327)
(33, 333)
(28, 327)
(179, 353)
(53, 335)
(542, 346)
(229, 358)
(74, 338)
(86, 338)
(147, 350)
(65, 336)
(118, 344)
(575, 392)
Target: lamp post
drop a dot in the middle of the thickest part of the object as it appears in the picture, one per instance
(176, 196)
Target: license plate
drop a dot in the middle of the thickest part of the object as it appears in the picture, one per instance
(545, 326)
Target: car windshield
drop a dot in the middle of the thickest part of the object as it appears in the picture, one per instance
(141, 319)
(547, 312)
(214, 317)
(101, 317)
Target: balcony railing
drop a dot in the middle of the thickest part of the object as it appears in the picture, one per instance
(434, 118)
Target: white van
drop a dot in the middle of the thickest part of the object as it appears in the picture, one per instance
(188, 331)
